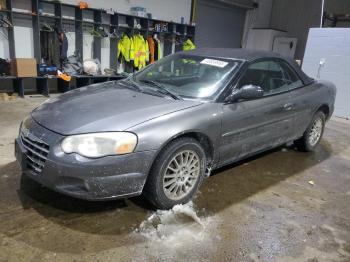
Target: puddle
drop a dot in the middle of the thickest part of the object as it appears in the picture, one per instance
(178, 232)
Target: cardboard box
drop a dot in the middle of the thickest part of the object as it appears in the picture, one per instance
(24, 67)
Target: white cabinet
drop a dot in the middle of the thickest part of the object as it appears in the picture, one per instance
(285, 46)
(262, 39)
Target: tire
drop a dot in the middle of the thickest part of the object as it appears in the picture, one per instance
(167, 181)
(308, 142)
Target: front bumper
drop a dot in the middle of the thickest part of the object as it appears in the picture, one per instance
(71, 174)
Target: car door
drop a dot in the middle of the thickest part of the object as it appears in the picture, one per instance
(254, 125)
(302, 99)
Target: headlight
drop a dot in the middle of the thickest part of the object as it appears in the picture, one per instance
(100, 144)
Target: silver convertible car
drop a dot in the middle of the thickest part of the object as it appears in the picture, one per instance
(160, 131)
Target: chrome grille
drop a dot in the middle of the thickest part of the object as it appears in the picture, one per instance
(37, 152)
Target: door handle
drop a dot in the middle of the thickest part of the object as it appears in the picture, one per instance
(288, 106)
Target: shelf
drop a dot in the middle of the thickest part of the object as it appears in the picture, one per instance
(163, 33)
(63, 4)
(23, 13)
(89, 22)
(44, 84)
(116, 13)
(139, 17)
(69, 19)
(49, 16)
(49, 2)
(124, 26)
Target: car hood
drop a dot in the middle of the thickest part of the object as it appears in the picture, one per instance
(103, 107)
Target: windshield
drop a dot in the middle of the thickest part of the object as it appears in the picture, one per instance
(188, 76)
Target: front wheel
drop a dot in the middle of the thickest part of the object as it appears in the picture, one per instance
(313, 133)
(176, 173)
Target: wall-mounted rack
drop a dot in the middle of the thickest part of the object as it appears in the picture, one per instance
(55, 13)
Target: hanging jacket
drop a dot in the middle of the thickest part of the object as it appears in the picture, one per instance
(151, 46)
(125, 48)
(141, 51)
(64, 46)
(147, 51)
(188, 45)
(157, 50)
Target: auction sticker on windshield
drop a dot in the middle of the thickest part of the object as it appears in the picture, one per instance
(214, 62)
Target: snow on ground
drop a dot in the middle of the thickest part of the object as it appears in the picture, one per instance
(178, 232)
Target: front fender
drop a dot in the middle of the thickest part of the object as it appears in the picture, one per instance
(155, 133)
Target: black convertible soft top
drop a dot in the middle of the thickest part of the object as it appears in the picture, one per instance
(248, 55)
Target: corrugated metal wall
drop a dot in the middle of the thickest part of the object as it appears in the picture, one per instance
(338, 7)
(296, 17)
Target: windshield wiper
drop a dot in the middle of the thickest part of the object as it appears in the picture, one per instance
(129, 82)
(161, 89)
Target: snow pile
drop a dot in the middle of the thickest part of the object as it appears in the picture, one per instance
(178, 232)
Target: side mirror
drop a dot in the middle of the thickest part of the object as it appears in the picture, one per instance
(245, 92)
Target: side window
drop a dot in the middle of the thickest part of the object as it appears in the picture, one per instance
(272, 76)
(291, 77)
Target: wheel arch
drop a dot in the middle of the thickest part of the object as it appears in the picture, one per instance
(325, 109)
(201, 138)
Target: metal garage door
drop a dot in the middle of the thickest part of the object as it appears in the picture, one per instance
(219, 25)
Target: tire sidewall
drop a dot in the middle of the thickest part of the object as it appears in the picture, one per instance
(322, 116)
(162, 163)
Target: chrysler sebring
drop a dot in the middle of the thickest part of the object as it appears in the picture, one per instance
(160, 131)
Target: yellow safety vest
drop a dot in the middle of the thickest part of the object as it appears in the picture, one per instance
(188, 45)
(126, 48)
(141, 51)
(159, 50)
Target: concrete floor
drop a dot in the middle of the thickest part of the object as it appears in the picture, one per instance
(263, 209)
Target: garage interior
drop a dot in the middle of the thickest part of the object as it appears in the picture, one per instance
(281, 205)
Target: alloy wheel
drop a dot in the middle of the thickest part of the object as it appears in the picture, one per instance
(181, 174)
(316, 131)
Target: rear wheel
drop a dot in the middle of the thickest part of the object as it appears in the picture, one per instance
(176, 173)
(313, 133)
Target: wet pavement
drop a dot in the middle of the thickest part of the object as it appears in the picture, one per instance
(263, 209)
